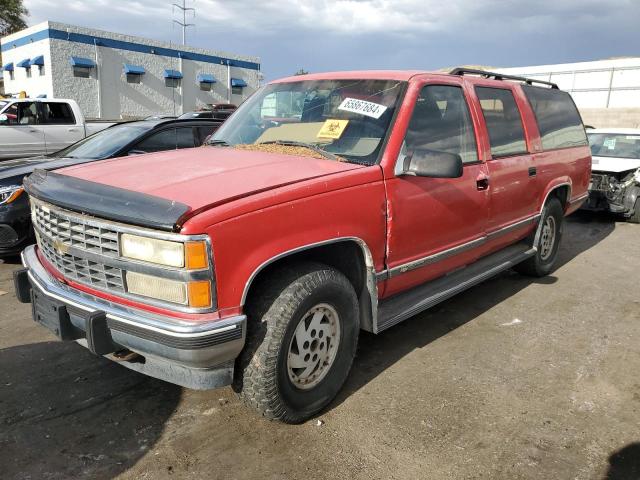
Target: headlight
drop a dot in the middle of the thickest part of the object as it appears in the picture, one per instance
(10, 193)
(147, 249)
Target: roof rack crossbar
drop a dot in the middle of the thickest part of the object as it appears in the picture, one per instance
(500, 76)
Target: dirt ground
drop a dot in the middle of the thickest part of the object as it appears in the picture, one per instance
(515, 379)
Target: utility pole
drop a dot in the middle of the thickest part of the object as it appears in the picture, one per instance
(184, 23)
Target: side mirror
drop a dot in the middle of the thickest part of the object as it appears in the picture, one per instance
(4, 119)
(432, 163)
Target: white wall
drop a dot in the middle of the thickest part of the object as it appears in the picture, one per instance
(613, 83)
(36, 85)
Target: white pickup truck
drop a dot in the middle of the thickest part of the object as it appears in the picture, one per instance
(30, 127)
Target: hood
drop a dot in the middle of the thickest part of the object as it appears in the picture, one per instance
(206, 176)
(614, 164)
(21, 167)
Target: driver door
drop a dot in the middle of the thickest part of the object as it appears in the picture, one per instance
(20, 134)
(436, 225)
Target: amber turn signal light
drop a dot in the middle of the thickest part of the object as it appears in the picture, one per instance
(199, 294)
(195, 254)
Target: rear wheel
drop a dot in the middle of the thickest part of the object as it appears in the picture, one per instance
(302, 338)
(546, 239)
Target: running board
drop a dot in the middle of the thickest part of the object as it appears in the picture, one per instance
(407, 304)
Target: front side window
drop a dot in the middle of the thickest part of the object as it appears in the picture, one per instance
(558, 119)
(441, 123)
(22, 113)
(54, 113)
(170, 139)
(502, 117)
(345, 118)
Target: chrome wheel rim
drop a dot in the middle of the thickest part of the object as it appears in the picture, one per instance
(547, 237)
(314, 346)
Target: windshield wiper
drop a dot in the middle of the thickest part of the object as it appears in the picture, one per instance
(310, 146)
(222, 143)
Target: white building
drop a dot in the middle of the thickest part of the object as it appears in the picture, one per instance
(116, 76)
(607, 92)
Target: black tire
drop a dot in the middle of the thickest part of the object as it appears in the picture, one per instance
(635, 218)
(281, 303)
(540, 265)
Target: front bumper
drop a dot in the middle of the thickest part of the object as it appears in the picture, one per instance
(194, 355)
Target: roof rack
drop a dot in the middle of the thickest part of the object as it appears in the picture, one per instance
(499, 76)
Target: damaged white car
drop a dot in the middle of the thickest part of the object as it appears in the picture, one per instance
(615, 176)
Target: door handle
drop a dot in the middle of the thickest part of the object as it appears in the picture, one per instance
(533, 171)
(73, 130)
(32, 130)
(482, 183)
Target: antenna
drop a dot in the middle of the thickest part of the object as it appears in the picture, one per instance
(184, 23)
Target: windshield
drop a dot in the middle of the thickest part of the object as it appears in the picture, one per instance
(105, 143)
(346, 118)
(3, 104)
(614, 145)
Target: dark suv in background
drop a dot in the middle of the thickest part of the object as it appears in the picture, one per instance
(123, 139)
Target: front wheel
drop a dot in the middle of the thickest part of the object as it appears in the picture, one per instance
(635, 218)
(302, 338)
(546, 239)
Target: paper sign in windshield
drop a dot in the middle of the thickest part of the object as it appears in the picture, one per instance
(370, 109)
(609, 143)
(332, 128)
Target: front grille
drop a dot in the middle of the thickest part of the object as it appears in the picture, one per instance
(58, 230)
(599, 183)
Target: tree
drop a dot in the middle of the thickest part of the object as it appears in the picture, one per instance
(13, 18)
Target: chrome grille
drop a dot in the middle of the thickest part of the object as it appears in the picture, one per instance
(58, 230)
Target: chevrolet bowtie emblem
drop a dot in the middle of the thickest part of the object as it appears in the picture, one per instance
(61, 248)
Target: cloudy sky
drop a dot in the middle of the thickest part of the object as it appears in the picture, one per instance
(321, 35)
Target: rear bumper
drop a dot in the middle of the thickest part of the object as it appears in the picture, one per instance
(194, 355)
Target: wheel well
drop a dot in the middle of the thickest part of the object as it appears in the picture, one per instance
(562, 194)
(345, 256)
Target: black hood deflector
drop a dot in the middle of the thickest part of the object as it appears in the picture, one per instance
(111, 203)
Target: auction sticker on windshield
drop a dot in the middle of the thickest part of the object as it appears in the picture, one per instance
(370, 109)
(332, 128)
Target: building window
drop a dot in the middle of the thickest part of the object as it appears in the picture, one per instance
(206, 87)
(82, 72)
(172, 82)
(134, 78)
(236, 90)
(28, 70)
(41, 70)
(11, 77)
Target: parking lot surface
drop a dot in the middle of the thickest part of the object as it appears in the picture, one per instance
(517, 378)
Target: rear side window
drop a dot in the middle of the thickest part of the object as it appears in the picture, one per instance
(57, 114)
(558, 119)
(169, 139)
(501, 114)
(441, 123)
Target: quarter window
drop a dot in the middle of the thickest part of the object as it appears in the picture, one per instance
(558, 119)
(502, 117)
(441, 122)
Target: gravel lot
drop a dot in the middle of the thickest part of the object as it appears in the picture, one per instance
(517, 378)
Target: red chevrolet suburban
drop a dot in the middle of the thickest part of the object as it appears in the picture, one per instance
(327, 204)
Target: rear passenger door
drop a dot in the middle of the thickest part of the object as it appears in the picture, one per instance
(60, 128)
(167, 139)
(512, 173)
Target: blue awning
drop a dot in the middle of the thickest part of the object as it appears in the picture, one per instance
(82, 62)
(133, 69)
(206, 78)
(39, 60)
(26, 63)
(172, 74)
(8, 67)
(238, 82)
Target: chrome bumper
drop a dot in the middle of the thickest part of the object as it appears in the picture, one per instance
(194, 355)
